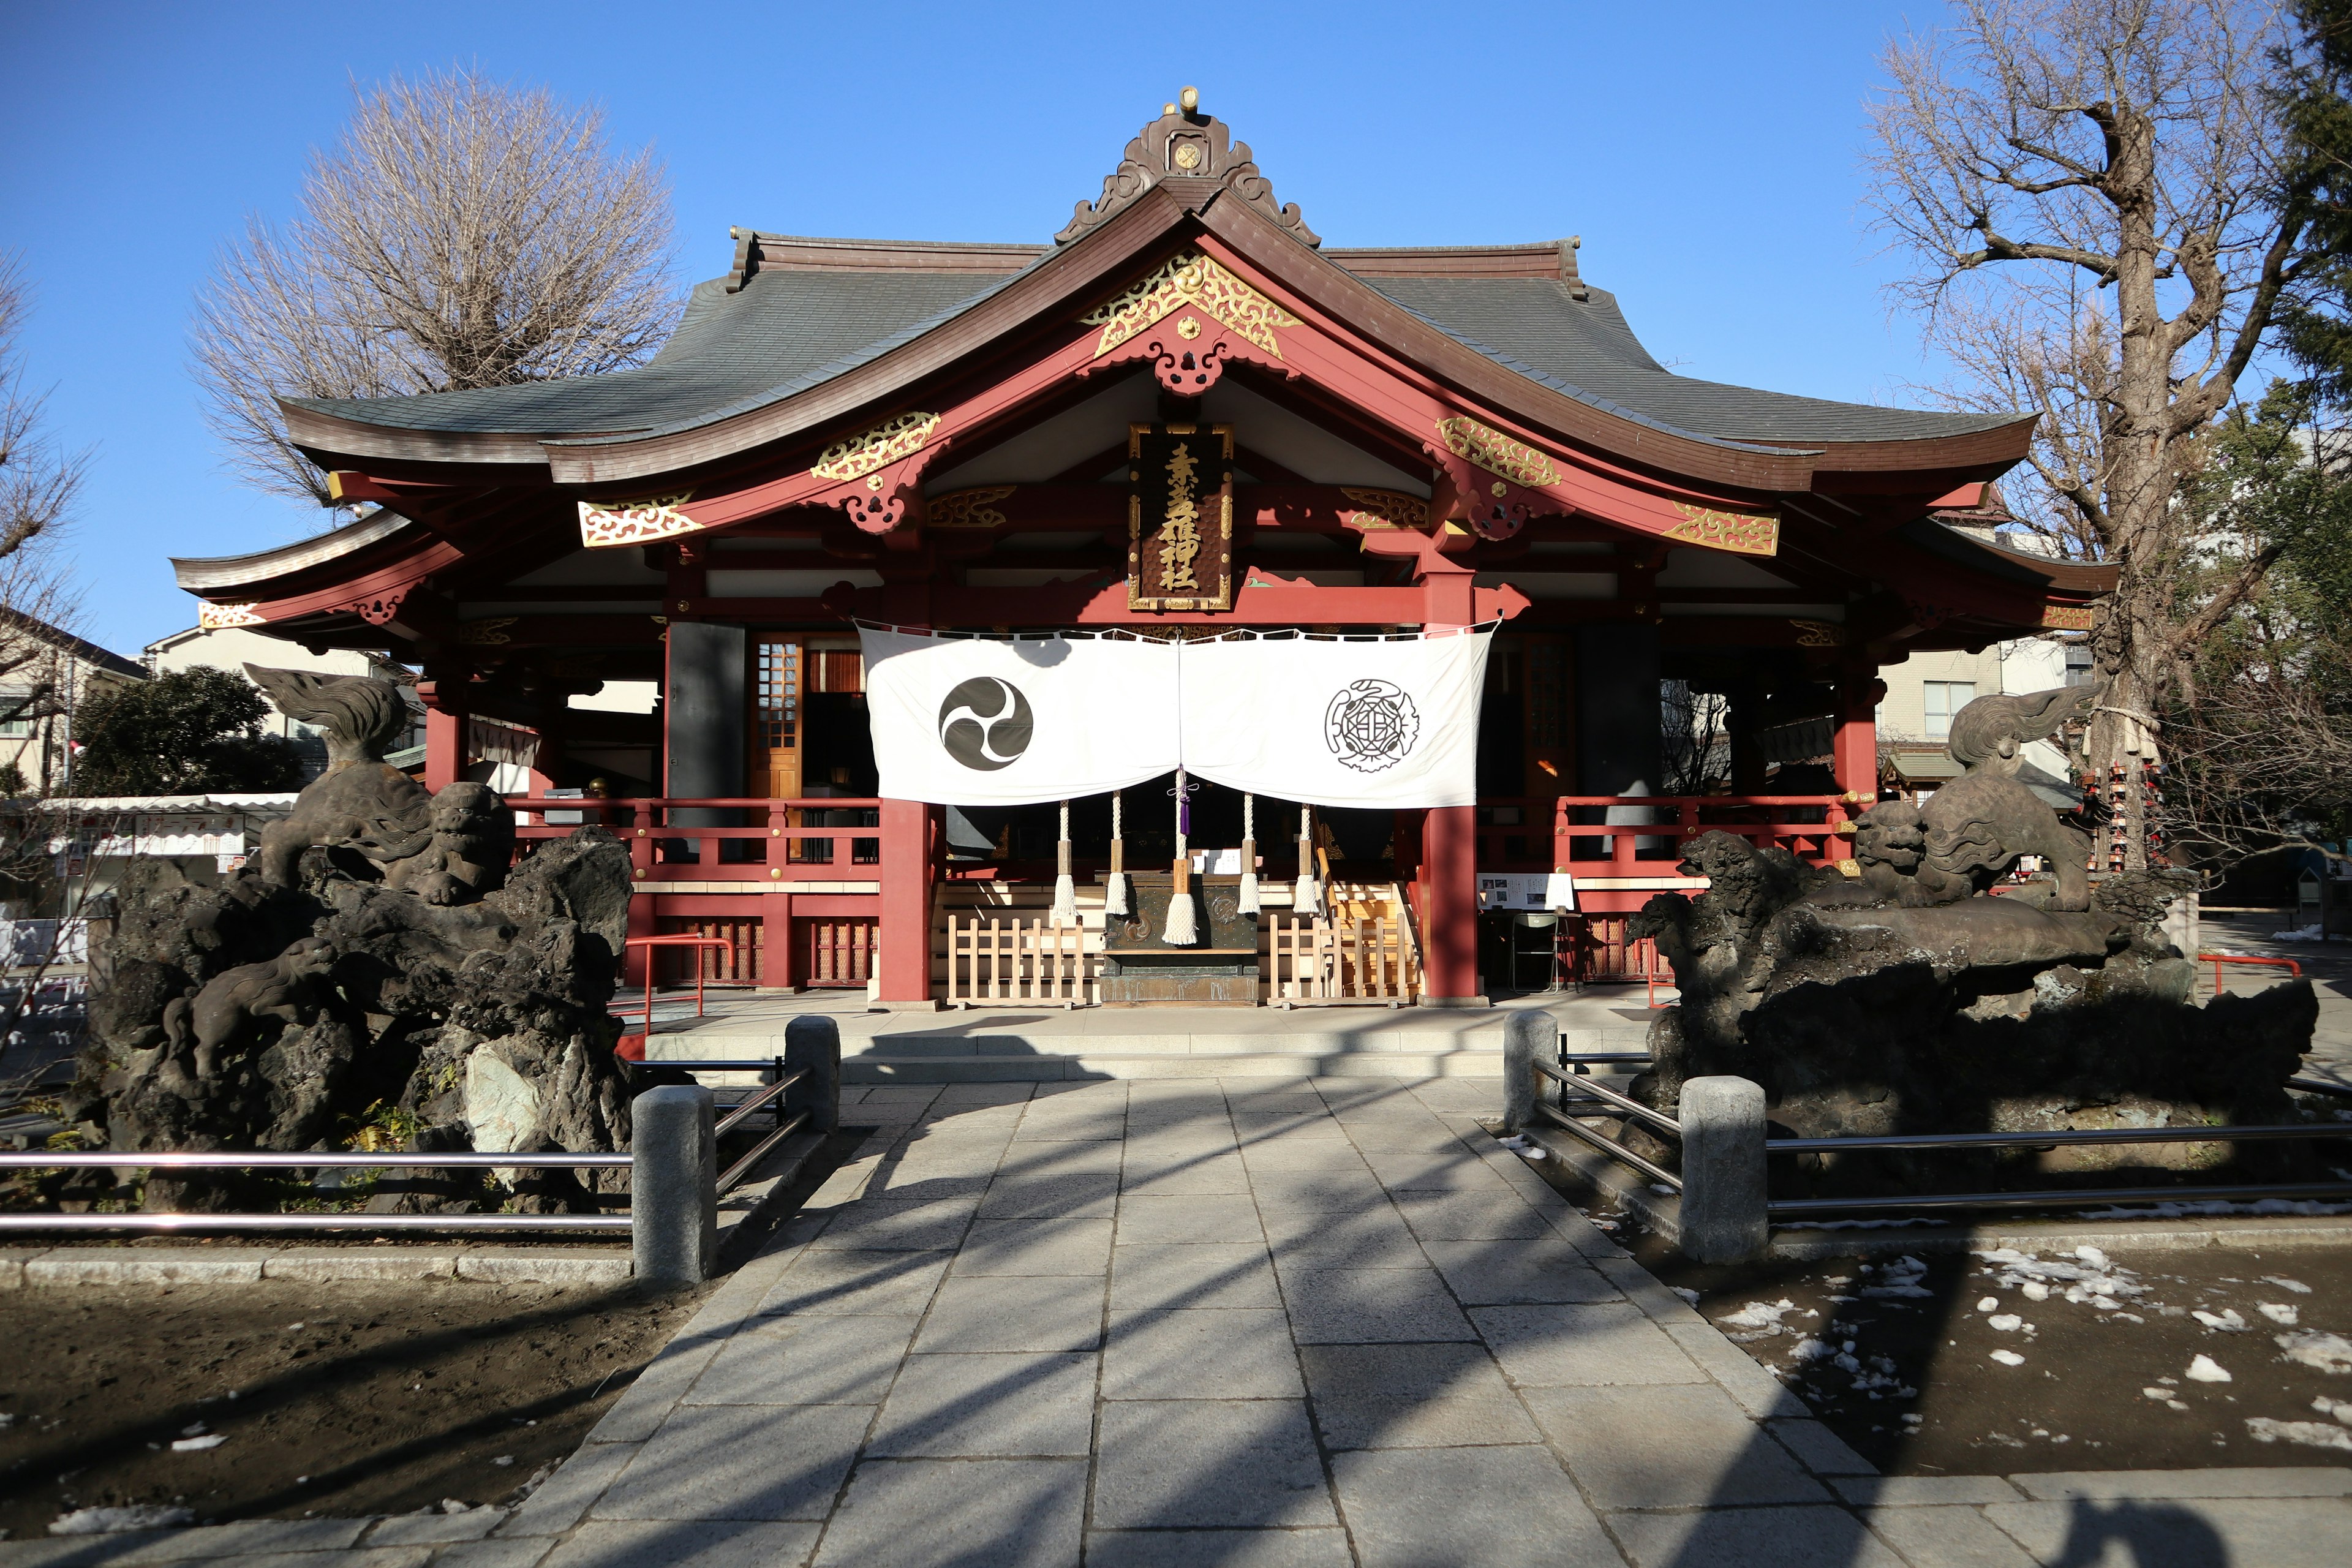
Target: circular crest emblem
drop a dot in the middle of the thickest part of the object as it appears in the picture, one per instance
(985, 723)
(1371, 725)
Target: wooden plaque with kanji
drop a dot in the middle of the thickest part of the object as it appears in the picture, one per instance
(1179, 516)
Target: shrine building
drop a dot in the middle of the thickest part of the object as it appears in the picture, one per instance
(1185, 416)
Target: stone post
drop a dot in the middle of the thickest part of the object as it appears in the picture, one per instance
(1723, 1170)
(674, 1186)
(1530, 1036)
(813, 1046)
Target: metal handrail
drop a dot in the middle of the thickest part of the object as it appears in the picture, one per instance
(2218, 959)
(1633, 1108)
(743, 1167)
(1610, 1147)
(2060, 1199)
(131, 1159)
(313, 1222)
(2050, 1138)
(750, 1103)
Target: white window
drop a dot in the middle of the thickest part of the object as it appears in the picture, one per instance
(2079, 670)
(1946, 698)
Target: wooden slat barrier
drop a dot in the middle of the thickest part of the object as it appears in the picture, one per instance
(999, 958)
(1313, 962)
(840, 952)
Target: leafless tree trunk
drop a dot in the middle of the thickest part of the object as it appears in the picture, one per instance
(39, 482)
(462, 234)
(2093, 193)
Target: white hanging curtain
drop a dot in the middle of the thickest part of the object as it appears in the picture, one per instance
(1350, 722)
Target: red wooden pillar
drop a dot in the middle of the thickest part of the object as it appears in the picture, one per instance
(1449, 906)
(904, 953)
(776, 939)
(1854, 754)
(445, 746)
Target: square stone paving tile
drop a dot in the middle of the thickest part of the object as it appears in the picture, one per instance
(813, 1359)
(1183, 1174)
(1192, 1275)
(1551, 1347)
(1471, 1217)
(1036, 1247)
(1090, 1194)
(1759, 1537)
(1331, 1188)
(1678, 1445)
(1490, 1508)
(1208, 1217)
(1202, 1353)
(677, 1543)
(1218, 1549)
(1342, 1306)
(1302, 1155)
(741, 1462)
(2185, 1533)
(1374, 1236)
(960, 1513)
(989, 1406)
(1502, 1273)
(1949, 1537)
(1201, 1462)
(1017, 1313)
(859, 1282)
(1413, 1396)
(897, 1225)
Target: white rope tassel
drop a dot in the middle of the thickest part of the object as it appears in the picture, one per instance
(1308, 897)
(1183, 930)
(1115, 898)
(1065, 891)
(1249, 855)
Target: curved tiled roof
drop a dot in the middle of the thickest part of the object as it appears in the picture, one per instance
(820, 309)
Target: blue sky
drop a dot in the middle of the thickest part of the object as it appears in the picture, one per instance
(1708, 154)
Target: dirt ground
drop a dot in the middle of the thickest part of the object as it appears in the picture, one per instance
(2102, 1381)
(338, 1399)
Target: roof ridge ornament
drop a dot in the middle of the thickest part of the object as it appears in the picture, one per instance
(1185, 144)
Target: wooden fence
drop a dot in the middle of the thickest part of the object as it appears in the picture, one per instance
(1001, 958)
(1316, 962)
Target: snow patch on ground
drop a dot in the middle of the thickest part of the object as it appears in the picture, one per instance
(2297, 1286)
(2226, 1321)
(2277, 1312)
(2008, 1358)
(2314, 1434)
(107, 1521)
(2205, 1369)
(1900, 1278)
(2317, 1348)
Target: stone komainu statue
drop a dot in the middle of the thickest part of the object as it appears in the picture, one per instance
(1973, 829)
(449, 849)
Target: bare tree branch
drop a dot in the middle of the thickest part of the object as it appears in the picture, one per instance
(462, 234)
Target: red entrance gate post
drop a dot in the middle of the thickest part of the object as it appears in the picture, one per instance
(903, 946)
(1449, 906)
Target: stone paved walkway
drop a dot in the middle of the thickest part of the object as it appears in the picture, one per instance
(1249, 1324)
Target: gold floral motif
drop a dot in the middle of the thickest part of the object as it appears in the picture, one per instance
(489, 632)
(1384, 509)
(2069, 617)
(876, 448)
(636, 521)
(1740, 532)
(1495, 452)
(968, 508)
(219, 617)
(1819, 634)
(1189, 278)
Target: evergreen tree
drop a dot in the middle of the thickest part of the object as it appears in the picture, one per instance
(193, 731)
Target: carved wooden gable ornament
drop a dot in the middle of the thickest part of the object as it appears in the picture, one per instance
(1185, 144)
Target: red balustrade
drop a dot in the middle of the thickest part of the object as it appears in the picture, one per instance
(1570, 832)
(780, 848)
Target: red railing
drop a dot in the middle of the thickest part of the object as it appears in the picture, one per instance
(778, 845)
(2218, 959)
(1570, 832)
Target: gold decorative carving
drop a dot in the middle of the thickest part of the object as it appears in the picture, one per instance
(2069, 617)
(879, 447)
(1192, 278)
(1384, 509)
(220, 618)
(1819, 634)
(1495, 452)
(968, 508)
(636, 521)
(489, 632)
(1740, 532)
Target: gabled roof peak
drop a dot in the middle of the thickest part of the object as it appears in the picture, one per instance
(1188, 147)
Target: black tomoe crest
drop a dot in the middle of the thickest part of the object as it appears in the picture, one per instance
(985, 723)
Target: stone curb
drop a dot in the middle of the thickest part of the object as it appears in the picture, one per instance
(68, 1266)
